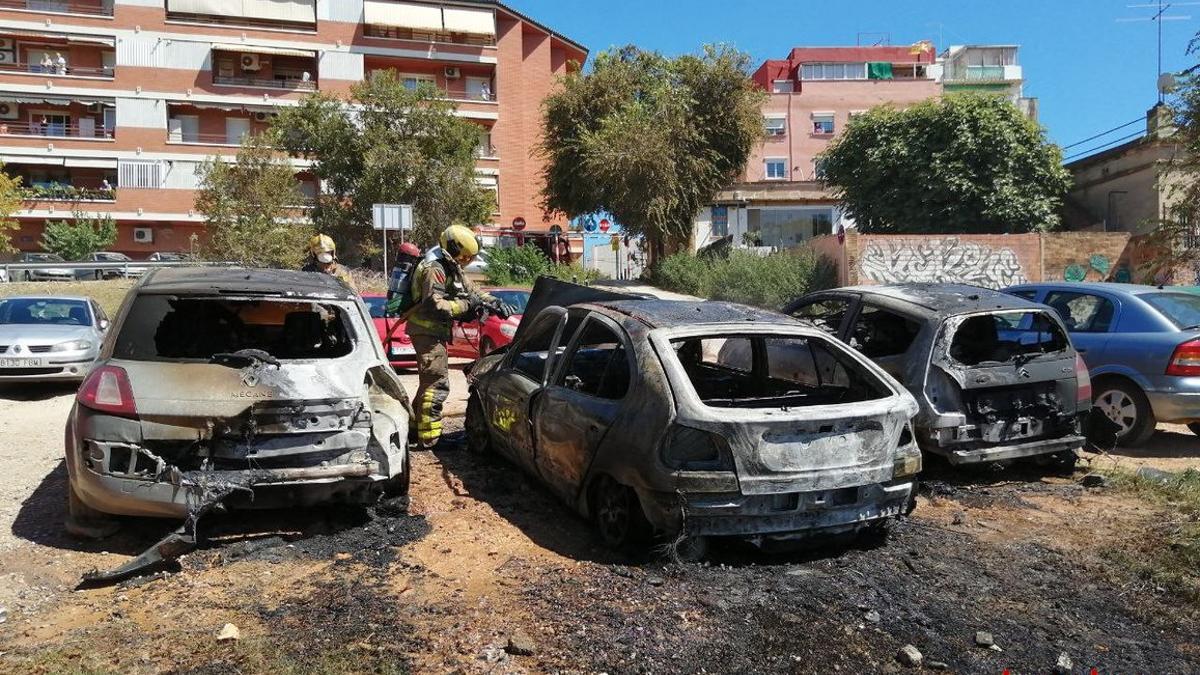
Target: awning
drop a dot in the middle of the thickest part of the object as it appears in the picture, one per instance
(51, 100)
(254, 49)
(474, 21)
(91, 40)
(403, 15)
(40, 161)
(90, 163)
(301, 11)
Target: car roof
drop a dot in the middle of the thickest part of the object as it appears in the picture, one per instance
(674, 313)
(1103, 286)
(945, 299)
(290, 283)
(76, 298)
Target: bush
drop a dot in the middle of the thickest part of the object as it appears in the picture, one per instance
(522, 265)
(76, 240)
(763, 281)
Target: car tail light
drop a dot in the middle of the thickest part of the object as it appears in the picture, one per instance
(1083, 380)
(1185, 361)
(107, 390)
(691, 449)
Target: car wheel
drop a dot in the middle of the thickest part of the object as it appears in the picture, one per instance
(99, 275)
(479, 439)
(619, 518)
(1128, 409)
(85, 522)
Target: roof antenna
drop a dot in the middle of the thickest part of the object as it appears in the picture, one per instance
(1159, 17)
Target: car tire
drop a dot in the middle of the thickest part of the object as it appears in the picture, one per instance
(84, 522)
(99, 275)
(619, 518)
(479, 438)
(1127, 407)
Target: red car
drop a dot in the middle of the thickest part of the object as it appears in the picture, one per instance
(399, 348)
(496, 332)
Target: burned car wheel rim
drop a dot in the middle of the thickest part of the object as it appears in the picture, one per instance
(613, 513)
(1118, 407)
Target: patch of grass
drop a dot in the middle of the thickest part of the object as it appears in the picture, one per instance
(742, 276)
(109, 293)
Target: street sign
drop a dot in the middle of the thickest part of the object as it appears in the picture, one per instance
(518, 223)
(392, 217)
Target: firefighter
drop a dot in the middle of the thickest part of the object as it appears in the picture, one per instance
(442, 295)
(322, 257)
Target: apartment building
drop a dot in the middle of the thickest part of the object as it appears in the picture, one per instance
(110, 106)
(812, 95)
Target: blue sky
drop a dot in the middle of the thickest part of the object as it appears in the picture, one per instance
(1090, 72)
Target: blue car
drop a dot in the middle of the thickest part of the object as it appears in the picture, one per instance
(1141, 345)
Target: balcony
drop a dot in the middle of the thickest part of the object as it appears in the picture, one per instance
(59, 192)
(55, 130)
(264, 68)
(278, 14)
(291, 84)
(86, 7)
(469, 82)
(421, 22)
(104, 72)
(396, 33)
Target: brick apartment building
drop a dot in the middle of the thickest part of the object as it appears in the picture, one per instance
(110, 106)
(812, 95)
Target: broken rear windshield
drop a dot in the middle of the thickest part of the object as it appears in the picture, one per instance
(1005, 337)
(169, 327)
(774, 372)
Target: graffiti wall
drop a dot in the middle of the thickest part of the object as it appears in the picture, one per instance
(886, 260)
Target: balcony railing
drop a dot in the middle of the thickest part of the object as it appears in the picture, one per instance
(53, 130)
(55, 70)
(57, 192)
(290, 83)
(485, 151)
(395, 33)
(103, 8)
(204, 139)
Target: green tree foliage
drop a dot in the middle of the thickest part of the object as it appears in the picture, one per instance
(395, 145)
(650, 139)
(10, 203)
(522, 265)
(966, 163)
(76, 239)
(250, 207)
(742, 276)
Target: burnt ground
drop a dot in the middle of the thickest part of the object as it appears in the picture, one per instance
(488, 567)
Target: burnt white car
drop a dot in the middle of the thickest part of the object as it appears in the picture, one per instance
(678, 419)
(239, 388)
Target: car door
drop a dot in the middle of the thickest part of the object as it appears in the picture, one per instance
(1089, 317)
(580, 403)
(882, 335)
(522, 375)
(828, 311)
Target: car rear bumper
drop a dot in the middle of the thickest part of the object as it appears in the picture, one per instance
(1175, 406)
(1014, 451)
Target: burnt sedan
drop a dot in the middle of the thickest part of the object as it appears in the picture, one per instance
(685, 420)
(995, 375)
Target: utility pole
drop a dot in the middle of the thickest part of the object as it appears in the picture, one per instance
(1159, 17)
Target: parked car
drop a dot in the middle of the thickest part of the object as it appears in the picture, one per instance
(397, 346)
(46, 273)
(1142, 346)
(168, 256)
(126, 272)
(995, 376)
(472, 340)
(239, 388)
(49, 338)
(622, 407)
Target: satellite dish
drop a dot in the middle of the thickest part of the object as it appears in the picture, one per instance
(1167, 83)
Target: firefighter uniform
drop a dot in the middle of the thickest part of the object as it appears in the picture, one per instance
(335, 269)
(323, 258)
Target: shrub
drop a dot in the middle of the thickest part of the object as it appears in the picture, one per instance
(522, 265)
(78, 239)
(763, 281)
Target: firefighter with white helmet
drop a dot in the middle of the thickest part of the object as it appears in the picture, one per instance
(322, 257)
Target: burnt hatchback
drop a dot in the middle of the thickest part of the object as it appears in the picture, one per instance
(693, 419)
(243, 388)
(995, 376)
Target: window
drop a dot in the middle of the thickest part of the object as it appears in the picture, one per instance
(782, 87)
(834, 71)
(1005, 337)
(376, 305)
(141, 174)
(776, 169)
(818, 169)
(30, 311)
(1028, 295)
(1182, 309)
(822, 124)
(1082, 312)
(775, 126)
(824, 314)
(50, 123)
(236, 130)
(413, 81)
(535, 349)
(878, 333)
(599, 365)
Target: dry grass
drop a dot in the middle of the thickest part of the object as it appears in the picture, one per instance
(108, 293)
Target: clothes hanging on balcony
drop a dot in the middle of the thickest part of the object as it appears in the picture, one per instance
(879, 70)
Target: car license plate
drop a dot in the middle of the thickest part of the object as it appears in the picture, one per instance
(20, 363)
(402, 351)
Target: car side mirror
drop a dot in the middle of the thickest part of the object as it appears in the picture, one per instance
(103, 324)
(573, 382)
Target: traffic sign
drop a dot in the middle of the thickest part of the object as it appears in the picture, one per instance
(392, 217)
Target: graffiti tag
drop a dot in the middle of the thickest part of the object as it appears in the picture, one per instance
(940, 260)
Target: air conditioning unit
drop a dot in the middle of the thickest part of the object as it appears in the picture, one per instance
(452, 72)
(251, 62)
(8, 57)
(8, 111)
(263, 116)
(143, 235)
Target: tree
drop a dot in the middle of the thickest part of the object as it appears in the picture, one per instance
(10, 203)
(650, 139)
(250, 206)
(966, 163)
(77, 239)
(391, 145)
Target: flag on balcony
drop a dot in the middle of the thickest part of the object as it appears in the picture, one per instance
(879, 70)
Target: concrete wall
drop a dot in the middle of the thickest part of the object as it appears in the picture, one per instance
(1122, 190)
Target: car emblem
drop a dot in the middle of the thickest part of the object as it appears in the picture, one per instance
(16, 349)
(1024, 373)
(250, 379)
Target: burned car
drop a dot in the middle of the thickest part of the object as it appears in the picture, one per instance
(995, 375)
(685, 420)
(235, 388)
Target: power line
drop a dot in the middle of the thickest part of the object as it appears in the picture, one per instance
(1104, 133)
(1106, 145)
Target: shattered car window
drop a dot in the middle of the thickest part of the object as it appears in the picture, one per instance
(599, 364)
(772, 372)
(879, 333)
(168, 328)
(1005, 337)
(825, 314)
(534, 350)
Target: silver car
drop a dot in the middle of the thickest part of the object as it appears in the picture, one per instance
(235, 388)
(43, 273)
(49, 338)
(126, 272)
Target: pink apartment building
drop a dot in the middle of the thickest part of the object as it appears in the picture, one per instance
(110, 106)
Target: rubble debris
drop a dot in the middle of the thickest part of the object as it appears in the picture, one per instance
(984, 639)
(3, 614)
(872, 616)
(910, 656)
(1094, 480)
(229, 633)
(1065, 665)
(938, 665)
(520, 644)
(1152, 474)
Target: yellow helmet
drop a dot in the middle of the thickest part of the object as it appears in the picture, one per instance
(322, 248)
(460, 243)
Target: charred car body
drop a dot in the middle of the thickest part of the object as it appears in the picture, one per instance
(244, 388)
(996, 376)
(626, 410)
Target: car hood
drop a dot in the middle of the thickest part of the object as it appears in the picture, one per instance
(548, 292)
(34, 333)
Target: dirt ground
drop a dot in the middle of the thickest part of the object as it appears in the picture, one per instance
(488, 573)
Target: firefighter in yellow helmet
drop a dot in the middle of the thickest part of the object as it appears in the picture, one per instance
(442, 294)
(322, 257)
